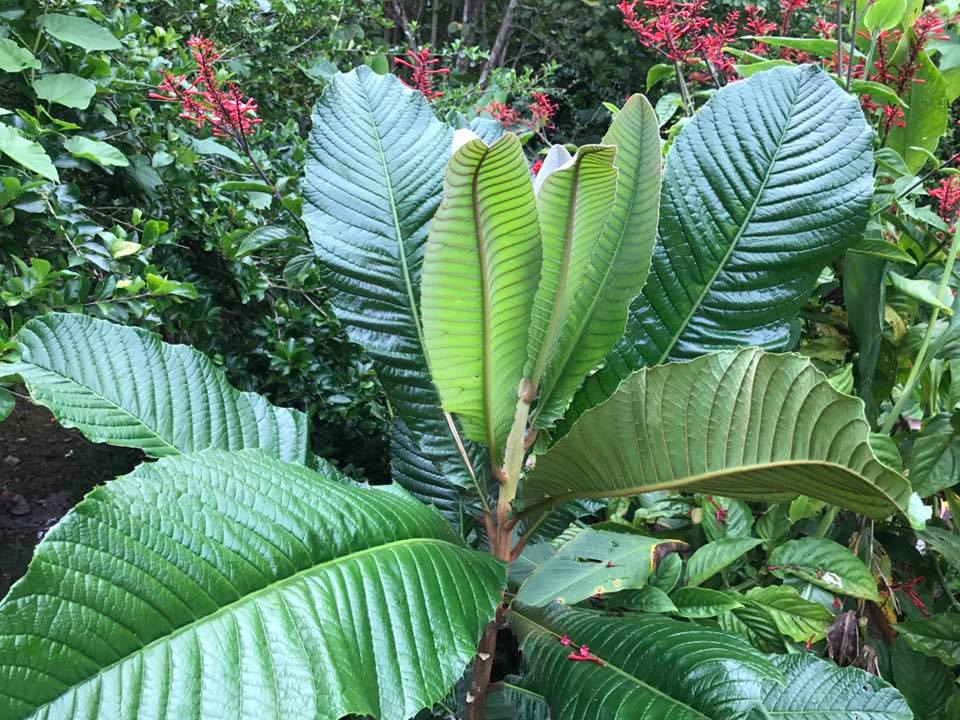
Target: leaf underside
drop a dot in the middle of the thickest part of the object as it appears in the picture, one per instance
(740, 423)
(770, 181)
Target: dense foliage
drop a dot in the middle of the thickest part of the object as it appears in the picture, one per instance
(670, 410)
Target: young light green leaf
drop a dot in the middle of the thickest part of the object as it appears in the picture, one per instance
(14, 58)
(167, 591)
(65, 89)
(713, 557)
(480, 274)
(750, 69)
(123, 386)
(595, 562)
(750, 230)
(744, 424)
(824, 563)
(27, 153)
(103, 154)
(937, 636)
(924, 291)
(884, 14)
(697, 602)
(815, 46)
(79, 31)
(645, 669)
(618, 265)
(648, 599)
(815, 689)
(556, 157)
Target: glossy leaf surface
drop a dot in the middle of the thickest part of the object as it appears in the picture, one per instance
(769, 182)
(234, 585)
(372, 183)
(124, 386)
(650, 666)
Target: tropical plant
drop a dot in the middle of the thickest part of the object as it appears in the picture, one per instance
(240, 575)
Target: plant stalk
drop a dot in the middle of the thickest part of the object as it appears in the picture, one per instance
(868, 63)
(853, 43)
(918, 363)
(684, 92)
(482, 666)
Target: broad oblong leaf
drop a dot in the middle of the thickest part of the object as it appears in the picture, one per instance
(480, 276)
(818, 690)
(235, 585)
(125, 386)
(769, 182)
(372, 183)
(743, 423)
(824, 563)
(937, 636)
(618, 265)
(648, 666)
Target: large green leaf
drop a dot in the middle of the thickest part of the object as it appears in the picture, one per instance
(937, 636)
(80, 31)
(740, 423)
(649, 667)
(925, 121)
(479, 280)
(713, 557)
(797, 618)
(818, 690)
(619, 263)
(65, 89)
(372, 183)
(573, 204)
(595, 562)
(770, 181)
(824, 563)
(234, 585)
(27, 153)
(124, 386)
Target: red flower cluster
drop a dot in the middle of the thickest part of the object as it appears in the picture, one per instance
(787, 9)
(542, 110)
(757, 23)
(824, 28)
(908, 588)
(422, 64)
(582, 654)
(502, 113)
(204, 100)
(947, 195)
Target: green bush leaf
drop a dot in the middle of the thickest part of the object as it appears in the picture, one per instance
(479, 280)
(123, 386)
(595, 562)
(65, 89)
(824, 563)
(372, 183)
(14, 58)
(27, 153)
(649, 663)
(925, 120)
(815, 46)
(884, 14)
(713, 557)
(936, 457)
(619, 264)
(697, 602)
(103, 154)
(80, 31)
(818, 690)
(7, 403)
(236, 585)
(799, 619)
(937, 636)
(925, 682)
(743, 423)
(768, 183)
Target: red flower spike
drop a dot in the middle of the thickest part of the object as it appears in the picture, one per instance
(205, 100)
(787, 9)
(535, 168)
(823, 28)
(542, 110)
(565, 640)
(583, 655)
(836, 603)
(757, 24)
(947, 195)
(422, 64)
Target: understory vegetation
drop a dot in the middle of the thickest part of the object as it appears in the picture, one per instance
(561, 361)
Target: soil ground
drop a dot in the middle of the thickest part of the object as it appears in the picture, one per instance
(45, 470)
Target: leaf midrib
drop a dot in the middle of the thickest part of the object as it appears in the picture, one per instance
(694, 307)
(277, 586)
(700, 477)
(617, 669)
(398, 231)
